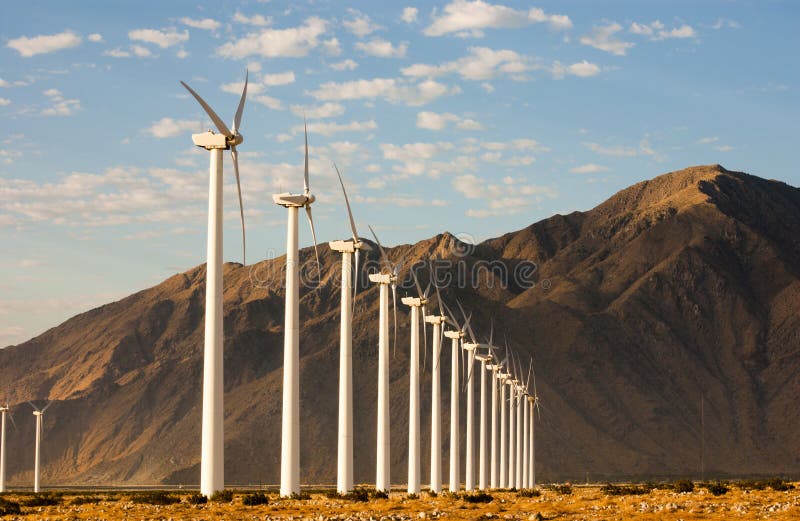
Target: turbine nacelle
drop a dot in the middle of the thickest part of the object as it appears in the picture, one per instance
(382, 278)
(435, 319)
(37, 413)
(349, 246)
(290, 200)
(453, 334)
(469, 346)
(414, 301)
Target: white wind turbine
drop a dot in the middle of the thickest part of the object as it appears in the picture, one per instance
(456, 338)
(494, 367)
(512, 415)
(502, 377)
(469, 348)
(519, 425)
(385, 280)
(39, 413)
(439, 321)
(344, 476)
(415, 303)
(212, 459)
(534, 407)
(483, 467)
(4, 410)
(290, 421)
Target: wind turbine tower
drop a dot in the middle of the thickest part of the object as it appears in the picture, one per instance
(212, 459)
(290, 420)
(438, 322)
(39, 413)
(4, 410)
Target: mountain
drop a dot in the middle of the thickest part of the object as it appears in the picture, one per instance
(680, 287)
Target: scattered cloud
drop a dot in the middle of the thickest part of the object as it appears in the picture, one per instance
(207, 24)
(469, 18)
(582, 69)
(95, 37)
(723, 148)
(4, 102)
(512, 195)
(60, 106)
(707, 140)
(589, 168)
(726, 22)
(141, 51)
(389, 89)
(43, 44)
(165, 38)
(330, 128)
(256, 20)
(480, 64)
(326, 110)
(268, 101)
(168, 127)
(439, 121)
(617, 151)
(382, 48)
(409, 15)
(603, 38)
(345, 65)
(360, 24)
(657, 31)
(117, 53)
(291, 42)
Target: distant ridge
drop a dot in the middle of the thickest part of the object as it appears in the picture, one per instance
(682, 286)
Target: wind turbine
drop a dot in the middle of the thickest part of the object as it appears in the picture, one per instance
(534, 406)
(39, 413)
(212, 459)
(439, 321)
(519, 424)
(290, 421)
(415, 303)
(384, 280)
(456, 338)
(344, 476)
(483, 467)
(512, 415)
(4, 410)
(494, 367)
(469, 348)
(502, 377)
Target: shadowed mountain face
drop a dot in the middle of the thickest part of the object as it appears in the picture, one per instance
(682, 287)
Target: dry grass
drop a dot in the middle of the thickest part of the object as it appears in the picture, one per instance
(584, 503)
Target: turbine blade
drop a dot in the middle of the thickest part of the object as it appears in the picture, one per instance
(237, 119)
(451, 317)
(347, 202)
(438, 356)
(463, 364)
(14, 423)
(235, 157)
(491, 330)
(394, 305)
(416, 283)
(355, 279)
(211, 114)
(34, 407)
(439, 298)
(380, 247)
(305, 171)
(530, 367)
(47, 406)
(424, 339)
(314, 236)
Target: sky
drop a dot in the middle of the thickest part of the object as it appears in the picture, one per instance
(472, 117)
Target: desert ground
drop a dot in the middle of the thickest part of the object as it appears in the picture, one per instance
(752, 500)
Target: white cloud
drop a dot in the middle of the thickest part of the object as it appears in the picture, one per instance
(390, 89)
(346, 65)
(360, 24)
(512, 196)
(117, 53)
(4, 83)
(617, 151)
(46, 43)
(4, 102)
(95, 37)
(141, 51)
(657, 31)
(439, 121)
(207, 24)
(589, 168)
(707, 140)
(182, 54)
(274, 43)
(256, 20)
(332, 47)
(582, 69)
(382, 48)
(327, 129)
(60, 106)
(165, 38)
(603, 38)
(723, 148)
(326, 110)
(409, 14)
(168, 127)
(469, 18)
(280, 78)
(480, 64)
(269, 101)
(725, 22)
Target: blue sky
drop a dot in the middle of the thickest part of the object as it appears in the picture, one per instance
(468, 116)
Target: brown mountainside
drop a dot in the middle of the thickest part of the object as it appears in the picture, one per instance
(683, 286)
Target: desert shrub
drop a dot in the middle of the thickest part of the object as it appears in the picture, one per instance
(357, 494)
(302, 496)
(155, 497)
(196, 499)
(528, 492)
(378, 494)
(778, 484)
(751, 484)
(565, 489)
(718, 488)
(411, 495)
(431, 493)
(625, 490)
(42, 500)
(478, 497)
(8, 508)
(683, 485)
(222, 496)
(256, 498)
(84, 500)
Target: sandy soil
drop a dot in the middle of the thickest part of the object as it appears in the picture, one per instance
(583, 503)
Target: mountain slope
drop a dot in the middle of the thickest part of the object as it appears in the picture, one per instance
(683, 286)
